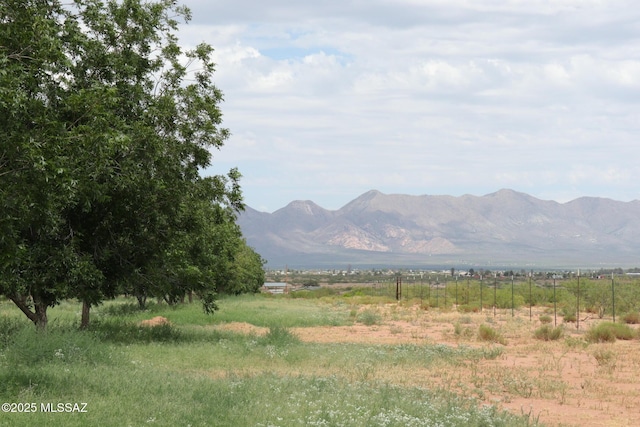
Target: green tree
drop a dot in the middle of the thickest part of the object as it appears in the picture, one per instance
(105, 130)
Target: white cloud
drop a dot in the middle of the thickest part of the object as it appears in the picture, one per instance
(328, 100)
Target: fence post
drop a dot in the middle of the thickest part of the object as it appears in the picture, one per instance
(512, 303)
(467, 298)
(495, 292)
(530, 296)
(613, 297)
(444, 279)
(481, 278)
(456, 291)
(578, 303)
(555, 303)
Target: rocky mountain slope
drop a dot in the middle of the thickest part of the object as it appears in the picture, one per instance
(502, 228)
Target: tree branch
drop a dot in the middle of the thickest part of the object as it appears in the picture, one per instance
(20, 302)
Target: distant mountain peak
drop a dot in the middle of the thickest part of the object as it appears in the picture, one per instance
(502, 227)
(305, 206)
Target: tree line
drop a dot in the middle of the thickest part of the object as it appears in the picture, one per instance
(107, 123)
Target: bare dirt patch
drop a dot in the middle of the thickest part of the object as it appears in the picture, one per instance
(567, 382)
(155, 321)
(242, 328)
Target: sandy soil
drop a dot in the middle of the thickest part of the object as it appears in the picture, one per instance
(561, 383)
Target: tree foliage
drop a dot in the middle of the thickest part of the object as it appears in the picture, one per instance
(105, 130)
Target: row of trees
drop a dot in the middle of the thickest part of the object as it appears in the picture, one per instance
(105, 130)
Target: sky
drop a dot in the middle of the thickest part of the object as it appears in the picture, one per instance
(328, 100)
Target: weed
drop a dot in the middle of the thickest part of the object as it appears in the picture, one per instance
(369, 317)
(457, 329)
(122, 309)
(9, 327)
(461, 331)
(604, 357)
(279, 337)
(466, 320)
(487, 333)
(63, 344)
(127, 332)
(574, 342)
(492, 353)
(395, 329)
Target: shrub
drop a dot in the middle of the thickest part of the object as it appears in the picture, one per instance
(487, 333)
(632, 318)
(609, 332)
(466, 320)
(547, 333)
(604, 357)
(457, 329)
(468, 308)
(279, 336)
(568, 315)
(545, 318)
(369, 317)
(461, 331)
(121, 309)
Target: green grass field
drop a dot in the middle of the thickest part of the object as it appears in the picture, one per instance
(191, 373)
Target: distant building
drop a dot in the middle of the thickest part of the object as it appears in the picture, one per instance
(276, 288)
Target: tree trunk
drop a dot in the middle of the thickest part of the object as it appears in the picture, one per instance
(142, 301)
(84, 322)
(38, 317)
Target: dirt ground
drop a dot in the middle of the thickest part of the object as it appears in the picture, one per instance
(567, 382)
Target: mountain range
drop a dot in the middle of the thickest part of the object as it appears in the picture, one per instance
(505, 228)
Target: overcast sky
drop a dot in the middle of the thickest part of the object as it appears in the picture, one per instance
(328, 99)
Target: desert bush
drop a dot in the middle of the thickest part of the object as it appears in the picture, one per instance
(545, 318)
(469, 308)
(604, 357)
(462, 331)
(505, 300)
(632, 318)
(609, 332)
(568, 314)
(466, 320)
(547, 333)
(369, 317)
(457, 329)
(487, 333)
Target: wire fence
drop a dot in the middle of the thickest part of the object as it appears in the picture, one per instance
(567, 298)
